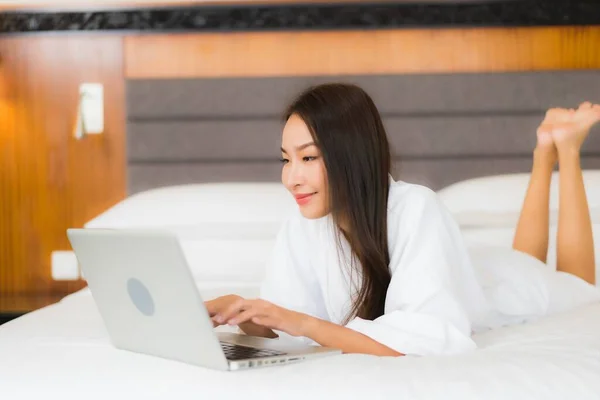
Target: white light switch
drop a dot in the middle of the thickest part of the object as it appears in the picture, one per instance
(64, 266)
(92, 108)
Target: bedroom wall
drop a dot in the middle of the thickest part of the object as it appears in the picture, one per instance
(50, 181)
(411, 51)
(443, 128)
(478, 95)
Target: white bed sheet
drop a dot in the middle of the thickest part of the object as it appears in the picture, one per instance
(63, 351)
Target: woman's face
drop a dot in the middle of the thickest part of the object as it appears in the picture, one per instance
(303, 172)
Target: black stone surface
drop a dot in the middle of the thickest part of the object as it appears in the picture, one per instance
(291, 17)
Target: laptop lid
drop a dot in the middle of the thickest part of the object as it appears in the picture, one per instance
(146, 295)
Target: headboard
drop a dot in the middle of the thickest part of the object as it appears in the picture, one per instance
(443, 128)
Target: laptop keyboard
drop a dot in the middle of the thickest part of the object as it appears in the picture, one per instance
(236, 352)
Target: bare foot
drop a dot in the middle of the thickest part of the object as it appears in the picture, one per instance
(573, 126)
(545, 142)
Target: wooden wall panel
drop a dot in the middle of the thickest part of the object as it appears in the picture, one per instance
(49, 180)
(361, 52)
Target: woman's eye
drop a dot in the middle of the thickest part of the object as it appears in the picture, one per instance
(284, 160)
(309, 158)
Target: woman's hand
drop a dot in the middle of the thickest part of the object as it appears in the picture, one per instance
(266, 314)
(220, 304)
(259, 317)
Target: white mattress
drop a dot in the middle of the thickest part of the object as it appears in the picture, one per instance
(63, 351)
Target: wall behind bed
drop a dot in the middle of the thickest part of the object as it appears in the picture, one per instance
(457, 103)
(443, 128)
(460, 95)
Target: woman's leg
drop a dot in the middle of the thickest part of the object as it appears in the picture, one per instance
(575, 243)
(531, 236)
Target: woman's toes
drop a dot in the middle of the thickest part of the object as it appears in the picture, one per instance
(585, 105)
(553, 113)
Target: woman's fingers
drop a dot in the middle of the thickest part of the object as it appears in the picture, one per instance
(244, 316)
(217, 305)
(246, 310)
(231, 310)
(211, 307)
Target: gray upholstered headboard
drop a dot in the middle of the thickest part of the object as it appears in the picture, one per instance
(443, 128)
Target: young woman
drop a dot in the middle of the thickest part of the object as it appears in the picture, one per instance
(370, 265)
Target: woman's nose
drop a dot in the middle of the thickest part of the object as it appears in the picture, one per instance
(295, 175)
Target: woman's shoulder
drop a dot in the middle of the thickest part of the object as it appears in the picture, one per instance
(407, 197)
(416, 210)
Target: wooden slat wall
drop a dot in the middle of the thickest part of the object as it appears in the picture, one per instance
(361, 52)
(49, 180)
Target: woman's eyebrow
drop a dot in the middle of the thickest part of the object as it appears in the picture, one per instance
(301, 147)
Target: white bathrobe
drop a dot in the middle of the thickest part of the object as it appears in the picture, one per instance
(436, 298)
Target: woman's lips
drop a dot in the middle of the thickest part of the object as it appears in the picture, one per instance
(303, 199)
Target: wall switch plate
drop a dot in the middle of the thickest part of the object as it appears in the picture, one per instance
(91, 108)
(64, 266)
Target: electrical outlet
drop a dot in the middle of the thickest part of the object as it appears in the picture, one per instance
(64, 266)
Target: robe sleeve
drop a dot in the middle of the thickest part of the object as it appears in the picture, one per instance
(432, 281)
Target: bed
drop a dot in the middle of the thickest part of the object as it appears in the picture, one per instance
(63, 349)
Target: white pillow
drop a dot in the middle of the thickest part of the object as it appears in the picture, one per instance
(496, 201)
(232, 260)
(184, 206)
(226, 230)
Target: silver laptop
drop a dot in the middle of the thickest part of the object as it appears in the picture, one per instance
(146, 295)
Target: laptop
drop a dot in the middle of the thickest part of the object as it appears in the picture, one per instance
(150, 304)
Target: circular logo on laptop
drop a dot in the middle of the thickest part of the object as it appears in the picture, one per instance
(140, 296)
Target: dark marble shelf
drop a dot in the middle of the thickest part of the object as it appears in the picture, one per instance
(292, 17)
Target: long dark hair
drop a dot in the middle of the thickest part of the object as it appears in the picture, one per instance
(347, 128)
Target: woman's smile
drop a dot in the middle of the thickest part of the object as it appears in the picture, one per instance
(303, 199)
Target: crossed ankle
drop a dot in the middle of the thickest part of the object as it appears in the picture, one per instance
(545, 156)
(570, 152)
